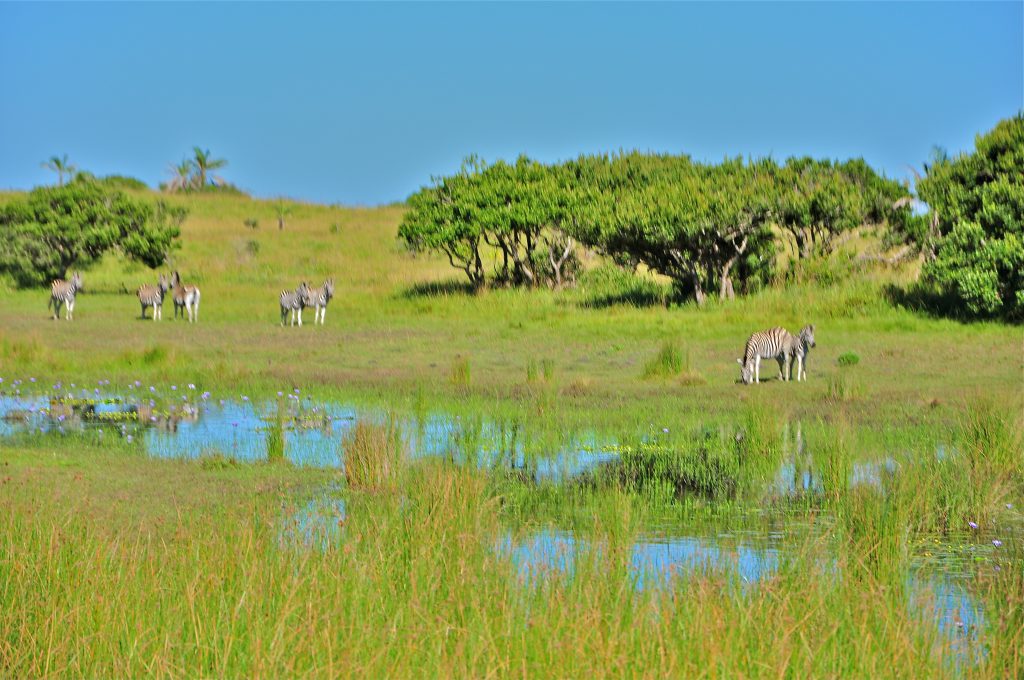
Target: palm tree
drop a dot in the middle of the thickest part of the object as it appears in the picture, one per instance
(181, 175)
(282, 210)
(61, 166)
(204, 163)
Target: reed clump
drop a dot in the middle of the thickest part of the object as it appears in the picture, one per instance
(373, 455)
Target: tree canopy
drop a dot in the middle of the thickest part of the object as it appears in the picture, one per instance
(55, 228)
(978, 203)
(705, 226)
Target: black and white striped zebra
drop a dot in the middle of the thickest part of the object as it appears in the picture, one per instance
(293, 301)
(798, 350)
(781, 345)
(318, 299)
(153, 296)
(186, 298)
(63, 293)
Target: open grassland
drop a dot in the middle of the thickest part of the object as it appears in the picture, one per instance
(403, 327)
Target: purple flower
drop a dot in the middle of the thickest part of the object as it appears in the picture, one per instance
(152, 419)
(665, 430)
(221, 402)
(191, 386)
(972, 524)
(296, 390)
(280, 393)
(31, 379)
(1009, 506)
(128, 438)
(996, 542)
(174, 387)
(152, 389)
(60, 418)
(244, 398)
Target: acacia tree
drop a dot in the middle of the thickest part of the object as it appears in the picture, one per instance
(61, 166)
(442, 217)
(54, 229)
(977, 200)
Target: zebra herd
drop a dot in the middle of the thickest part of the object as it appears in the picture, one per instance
(294, 301)
(186, 298)
(781, 345)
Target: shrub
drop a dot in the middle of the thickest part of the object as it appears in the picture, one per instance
(252, 223)
(848, 359)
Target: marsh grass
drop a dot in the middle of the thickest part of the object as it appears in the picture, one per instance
(460, 374)
(275, 436)
(373, 455)
(413, 585)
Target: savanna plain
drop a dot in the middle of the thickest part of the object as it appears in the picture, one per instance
(600, 496)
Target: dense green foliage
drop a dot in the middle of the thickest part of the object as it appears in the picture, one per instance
(977, 250)
(53, 229)
(704, 226)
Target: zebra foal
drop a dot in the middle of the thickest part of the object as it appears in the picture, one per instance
(781, 345)
(293, 301)
(153, 296)
(63, 293)
(318, 299)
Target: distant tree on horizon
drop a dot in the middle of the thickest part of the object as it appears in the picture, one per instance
(61, 166)
(181, 175)
(204, 163)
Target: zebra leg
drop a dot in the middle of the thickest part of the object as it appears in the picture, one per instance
(56, 309)
(783, 360)
(71, 309)
(300, 317)
(757, 370)
(804, 366)
(799, 367)
(188, 310)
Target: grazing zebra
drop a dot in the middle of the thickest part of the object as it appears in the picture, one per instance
(153, 296)
(799, 349)
(318, 299)
(779, 344)
(63, 293)
(293, 301)
(186, 299)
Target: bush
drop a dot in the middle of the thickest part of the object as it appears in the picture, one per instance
(848, 359)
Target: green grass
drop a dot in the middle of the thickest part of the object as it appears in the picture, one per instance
(114, 564)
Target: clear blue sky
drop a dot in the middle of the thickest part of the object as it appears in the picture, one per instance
(362, 103)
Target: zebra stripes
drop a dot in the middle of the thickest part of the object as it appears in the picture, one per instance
(186, 298)
(318, 299)
(779, 344)
(293, 301)
(153, 296)
(63, 293)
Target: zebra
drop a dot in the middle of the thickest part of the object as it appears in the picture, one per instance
(318, 298)
(799, 349)
(153, 296)
(780, 344)
(293, 301)
(186, 299)
(63, 293)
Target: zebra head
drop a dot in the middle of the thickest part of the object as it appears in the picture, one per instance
(746, 372)
(164, 284)
(807, 335)
(76, 281)
(302, 293)
(175, 279)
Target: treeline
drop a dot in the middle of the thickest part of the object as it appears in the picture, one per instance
(709, 227)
